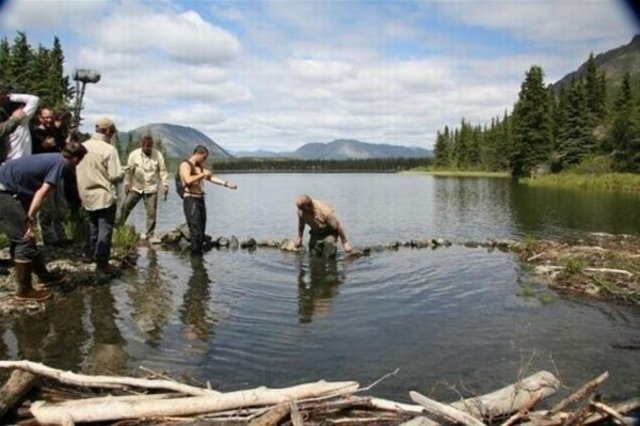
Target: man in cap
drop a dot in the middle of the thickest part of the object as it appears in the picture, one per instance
(325, 227)
(145, 171)
(97, 177)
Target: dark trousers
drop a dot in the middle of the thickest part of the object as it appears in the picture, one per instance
(100, 231)
(13, 222)
(195, 212)
(324, 245)
(52, 215)
(150, 205)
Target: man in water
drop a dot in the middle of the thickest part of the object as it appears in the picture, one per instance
(146, 170)
(24, 184)
(325, 228)
(192, 174)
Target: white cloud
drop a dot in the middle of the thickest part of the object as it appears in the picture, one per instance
(320, 71)
(184, 37)
(49, 14)
(549, 21)
(196, 115)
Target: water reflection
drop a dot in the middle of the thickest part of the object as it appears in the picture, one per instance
(55, 336)
(107, 354)
(151, 300)
(198, 321)
(317, 285)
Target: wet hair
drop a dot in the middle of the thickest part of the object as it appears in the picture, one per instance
(74, 150)
(200, 149)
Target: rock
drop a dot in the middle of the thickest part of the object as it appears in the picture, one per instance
(423, 244)
(154, 241)
(233, 243)
(208, 243)
(184, 231)
(248, 243)
(393, 245)
(288, 245)
(268, 243)
(223, 242)
(472, 244)
(171, 238)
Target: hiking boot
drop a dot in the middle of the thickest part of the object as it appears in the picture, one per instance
(26, 292)
(46, 278)
(107, 269)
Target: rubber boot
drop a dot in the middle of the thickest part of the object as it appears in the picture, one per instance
(26, 292)
(45, 277)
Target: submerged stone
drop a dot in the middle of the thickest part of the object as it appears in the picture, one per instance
(233, 243)
(248, 243)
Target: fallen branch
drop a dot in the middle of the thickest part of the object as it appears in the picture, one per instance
(18, 384)
(522, 413)
(71, 378)
(191, 405)
(584, 391)
(446, 411)
(511, 398)
(611, 412)
(273, 416)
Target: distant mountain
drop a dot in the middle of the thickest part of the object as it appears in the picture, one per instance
(342, 149)
(615, 63)
(347, 149)
(178, 141)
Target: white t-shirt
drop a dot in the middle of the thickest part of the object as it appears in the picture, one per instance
(20, 139)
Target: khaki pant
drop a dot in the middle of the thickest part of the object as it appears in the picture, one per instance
(150, 206)
(324, 245)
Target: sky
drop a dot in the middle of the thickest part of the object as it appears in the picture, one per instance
(276, 74)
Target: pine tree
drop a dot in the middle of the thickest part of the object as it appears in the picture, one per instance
(440, 151)
(56, 81)
(576, 140)
(594, 94)
(39, 67)
(532, 125)
(625, 132)
(19, 69)
(5, 61)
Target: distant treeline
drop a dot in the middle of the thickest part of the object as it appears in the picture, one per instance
(552, 130)
(271, 165)
(36, 71)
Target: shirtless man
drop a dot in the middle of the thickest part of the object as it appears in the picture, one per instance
(192, 174)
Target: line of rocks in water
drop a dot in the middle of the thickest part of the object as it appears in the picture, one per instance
(179, 239)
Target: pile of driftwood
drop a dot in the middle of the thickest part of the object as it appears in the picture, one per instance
(136, 401)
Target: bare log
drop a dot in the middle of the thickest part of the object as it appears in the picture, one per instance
(604, 408)
(586, 390)
(191, 405)
(511, 398)
(446, 411)
(18, 384)
(522, 412)
(388, 405)
(419, 421)
(273, 416)
(71, 378)
(296, 417)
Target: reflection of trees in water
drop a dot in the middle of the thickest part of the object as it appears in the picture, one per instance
(542, 209)
(194, 312)
(317, 286)
(151, 301)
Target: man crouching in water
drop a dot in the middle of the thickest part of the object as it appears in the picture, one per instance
(325, 228)
(24, 184)
(193, 174)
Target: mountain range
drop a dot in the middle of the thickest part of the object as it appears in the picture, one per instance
(179, 141)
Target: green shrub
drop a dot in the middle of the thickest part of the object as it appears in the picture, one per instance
(125, 238)
(4, 242)
(574, 266)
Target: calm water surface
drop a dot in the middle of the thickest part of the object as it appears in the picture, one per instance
(446, 317)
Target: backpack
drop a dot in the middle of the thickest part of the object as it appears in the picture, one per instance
(179, 184)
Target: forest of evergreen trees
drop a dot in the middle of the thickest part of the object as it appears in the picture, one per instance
(552, 130)
(37, 71)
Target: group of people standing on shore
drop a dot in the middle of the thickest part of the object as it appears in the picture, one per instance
(38, 158)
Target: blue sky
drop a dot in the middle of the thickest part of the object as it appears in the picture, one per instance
(278, 74)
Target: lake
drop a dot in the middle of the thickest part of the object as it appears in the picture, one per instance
(450, 319)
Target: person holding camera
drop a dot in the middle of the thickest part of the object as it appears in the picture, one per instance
(20, 139)
(145, 171)
(191, 176)
(10, 119)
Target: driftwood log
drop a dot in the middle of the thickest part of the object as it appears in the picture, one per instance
(448, 412)
(109, 382)
(118, 409)
(19, 383)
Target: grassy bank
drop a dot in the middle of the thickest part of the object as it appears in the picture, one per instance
(572, 180)
(459, 173)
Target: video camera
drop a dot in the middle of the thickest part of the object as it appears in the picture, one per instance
(86, 75)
